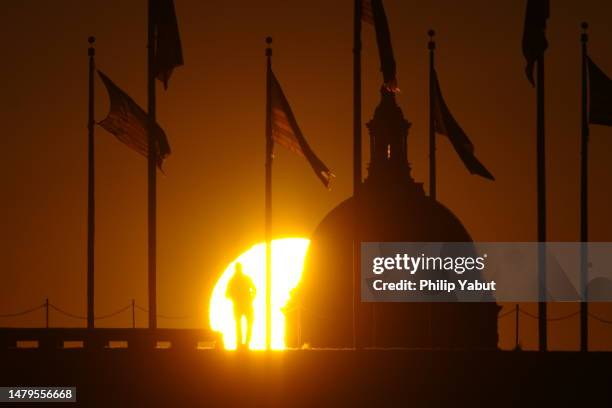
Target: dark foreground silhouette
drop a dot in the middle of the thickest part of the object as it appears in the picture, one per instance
(241, 290)
(181, 377)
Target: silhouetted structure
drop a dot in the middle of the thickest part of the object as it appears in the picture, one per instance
(164, 54)
(442, 121)
(534, 48)
(392, 207)
(281, 128)
(91, 202)
(241, 290)
(584, 195)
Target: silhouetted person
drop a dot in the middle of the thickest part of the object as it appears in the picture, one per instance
(241, 290)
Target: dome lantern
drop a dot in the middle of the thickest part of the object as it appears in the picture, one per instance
(388, 141)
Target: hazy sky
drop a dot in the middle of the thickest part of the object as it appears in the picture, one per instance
(211, 198)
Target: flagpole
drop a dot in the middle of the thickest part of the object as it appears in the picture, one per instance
(584, 224)
(541, 185)
(432, 129)
(152, 171)
(357, 177)
(268, 194)
(357, 98)
(432, 151)
(91, 204)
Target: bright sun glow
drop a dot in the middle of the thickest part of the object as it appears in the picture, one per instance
(287, 263)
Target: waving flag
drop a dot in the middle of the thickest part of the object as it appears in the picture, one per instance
(446, 124)
(130, 123)
(287, 133)
(373, 12)
(168, 50)
(600, 92)
(534, 35)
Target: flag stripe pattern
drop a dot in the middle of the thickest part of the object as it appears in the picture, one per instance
(445, 124)
(168, 50)
(366, 12)
(130, 123)
(600, 96)
(534, 34)
(287, 133)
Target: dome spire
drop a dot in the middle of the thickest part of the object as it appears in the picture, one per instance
(388, 140)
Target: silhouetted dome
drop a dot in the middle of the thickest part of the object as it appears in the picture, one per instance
(390, 207)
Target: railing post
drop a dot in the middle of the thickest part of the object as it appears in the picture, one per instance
(516, 323)
(47, 313)
(299, 328)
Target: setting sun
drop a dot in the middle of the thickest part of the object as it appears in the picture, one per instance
(287, 263)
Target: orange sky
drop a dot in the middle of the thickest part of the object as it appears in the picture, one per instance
(211, 199)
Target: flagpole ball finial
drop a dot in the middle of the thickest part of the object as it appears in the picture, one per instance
(584, 25)
(432, 43)
(269, 49)
(585, 36)
(91, 51)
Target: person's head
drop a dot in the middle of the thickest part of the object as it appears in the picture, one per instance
(238, 268)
